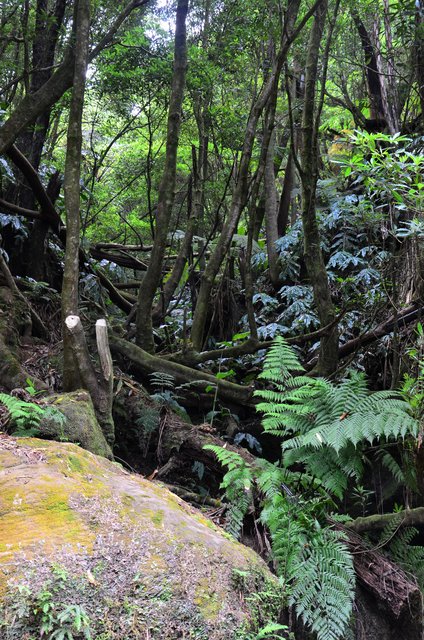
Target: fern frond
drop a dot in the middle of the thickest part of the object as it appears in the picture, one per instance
(226, 457)
(392, 465)
(24, 416)
(324, 586)
(236, 513)
(281, 360)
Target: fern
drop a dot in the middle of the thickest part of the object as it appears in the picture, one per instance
(162, 381)
(24, 417)
(280, 361)
(315, 567)
(237, 483)
(396, 543)
(324, 588)
(324, 428)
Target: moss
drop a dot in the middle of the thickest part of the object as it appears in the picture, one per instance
(154, 516)
(48, 516)
(209, 603)
(75, 464)
(81, 426)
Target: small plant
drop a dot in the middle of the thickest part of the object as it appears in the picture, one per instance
(165, 393)
(39, 612)
(31, 389)
(21, 416)
(272, 631)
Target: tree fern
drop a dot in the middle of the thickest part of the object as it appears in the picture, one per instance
(325, 426)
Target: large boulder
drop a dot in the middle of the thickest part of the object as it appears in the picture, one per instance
(84, 544)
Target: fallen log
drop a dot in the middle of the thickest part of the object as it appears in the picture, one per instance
(405, 518)
(198, 381)
(390, 587)
(402, 319)
(192, 358)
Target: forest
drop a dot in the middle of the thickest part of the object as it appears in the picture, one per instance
(212, 273)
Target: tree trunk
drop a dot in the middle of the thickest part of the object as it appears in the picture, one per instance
(241, 186)
(271, 214)
(327, 361)
(371, 70)
(419, 53)
(149, 285)
(174, 279)
(101, 392)
(44, 49)
(71, 376)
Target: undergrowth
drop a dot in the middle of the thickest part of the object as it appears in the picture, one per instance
(325, 430)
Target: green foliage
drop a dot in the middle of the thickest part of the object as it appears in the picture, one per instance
(325, 426)
(237, 483)
(165, 393)
(52, 620)
(408, 555)
(324, 588)
(315, 566)
(146, 423)
(325, 429)
(24, 417)
(397, 543)
(389, 170)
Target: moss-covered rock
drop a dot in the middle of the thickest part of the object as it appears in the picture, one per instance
(81, 424)
(135, 558)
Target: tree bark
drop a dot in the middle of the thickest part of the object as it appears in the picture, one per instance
(419, 53)
(271, 217)
(377, 522)
(198, 381)
(71, 372)
(371, 69)
(149, 285)
(101, 392)
(174, 279)
(328, 357)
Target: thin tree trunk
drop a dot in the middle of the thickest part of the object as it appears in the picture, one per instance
(271, 213)
(43, 56)
(240, 189)
(71, 377)
(328, 357)
(419, 53)
(388, 90)
(149, 285)
(371, 69)
(174, 279)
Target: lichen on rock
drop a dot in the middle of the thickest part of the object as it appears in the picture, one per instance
(138, 560)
